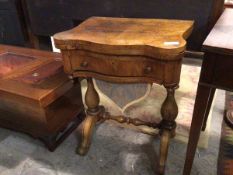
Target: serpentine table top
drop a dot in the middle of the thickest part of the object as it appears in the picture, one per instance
(124, 50)
(125, 36)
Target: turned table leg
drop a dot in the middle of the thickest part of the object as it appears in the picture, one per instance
(169, 113)
(92, 113)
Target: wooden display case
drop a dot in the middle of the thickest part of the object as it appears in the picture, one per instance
(36, 96)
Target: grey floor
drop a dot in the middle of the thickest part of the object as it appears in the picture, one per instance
(115, 151)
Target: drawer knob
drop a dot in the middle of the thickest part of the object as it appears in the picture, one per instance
(148, 69)
(84, 64)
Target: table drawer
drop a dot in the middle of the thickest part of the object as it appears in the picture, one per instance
(122, 66)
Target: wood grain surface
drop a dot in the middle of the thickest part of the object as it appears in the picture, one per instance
(127, 36)
(220, 39)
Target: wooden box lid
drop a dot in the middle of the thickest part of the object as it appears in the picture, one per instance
(156, 38)
(32, 75)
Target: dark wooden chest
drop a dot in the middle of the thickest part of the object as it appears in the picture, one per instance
(36, 96)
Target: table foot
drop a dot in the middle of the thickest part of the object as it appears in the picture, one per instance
(87, 131)
(164, 144)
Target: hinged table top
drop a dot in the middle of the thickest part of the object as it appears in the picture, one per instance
(127, 36)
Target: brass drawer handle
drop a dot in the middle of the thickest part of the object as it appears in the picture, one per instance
(148, 69)
(84, 64)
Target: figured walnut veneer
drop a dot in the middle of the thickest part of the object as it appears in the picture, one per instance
(122, 36)
(141, 45)
(126, 50)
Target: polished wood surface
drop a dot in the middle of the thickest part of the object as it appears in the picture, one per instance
(37, 97)
(126, 50)
(140, 44)
(219, 40)
(123, 36)
(42, 92)
(216, 11)
(216, 73)
(129, 69)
